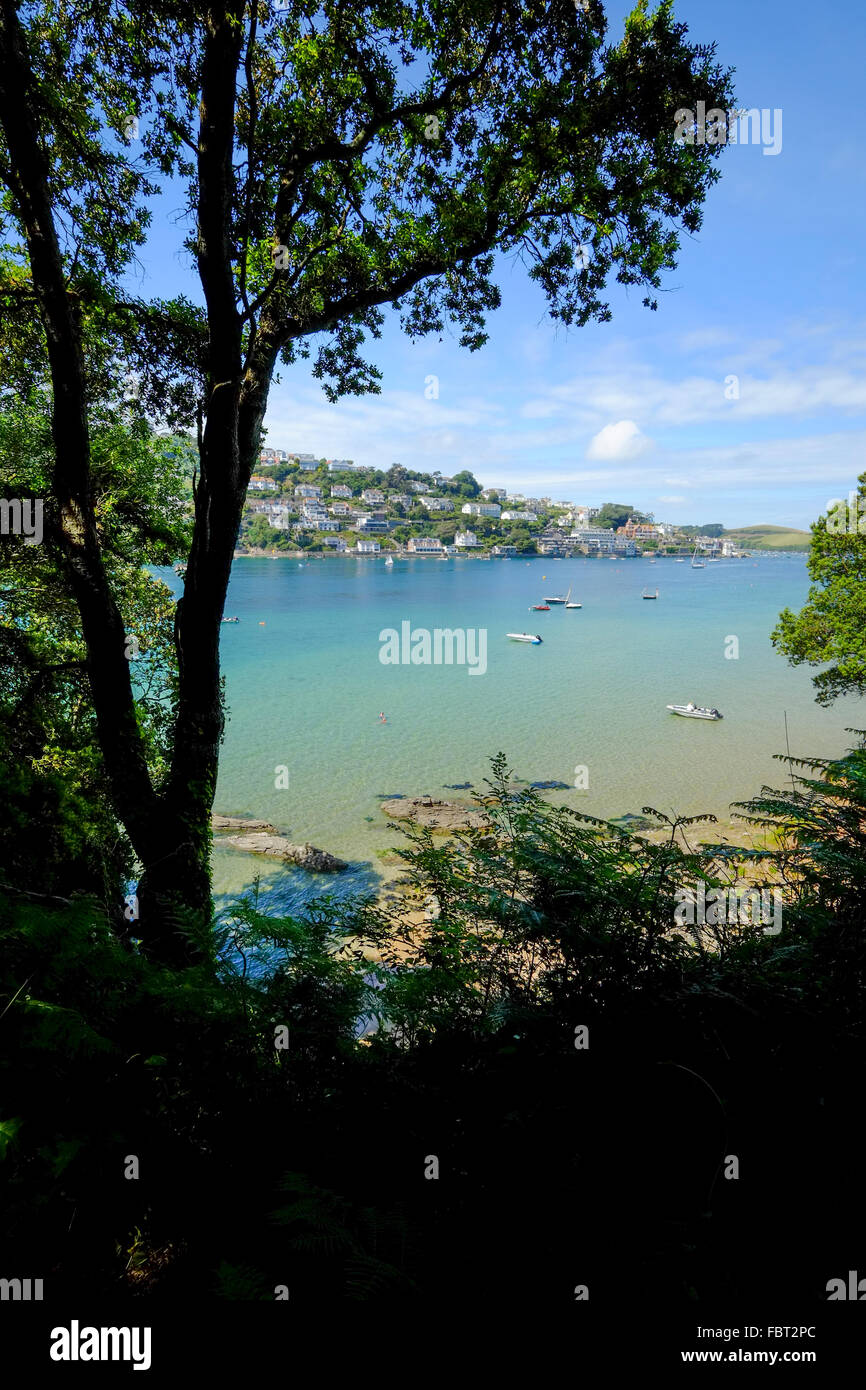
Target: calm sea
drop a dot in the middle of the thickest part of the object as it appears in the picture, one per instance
(305, 688)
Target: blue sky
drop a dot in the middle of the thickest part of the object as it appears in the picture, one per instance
(771, 291)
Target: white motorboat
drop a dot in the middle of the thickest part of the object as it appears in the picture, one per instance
(574, 605)
(524, 637)
(548, 598)
(692, 711)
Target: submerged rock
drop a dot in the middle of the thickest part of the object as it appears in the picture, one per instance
(632, 822)
(552, 786)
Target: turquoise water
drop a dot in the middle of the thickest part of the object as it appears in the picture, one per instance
(305, 691)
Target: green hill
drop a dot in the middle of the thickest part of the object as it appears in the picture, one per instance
(769, 538)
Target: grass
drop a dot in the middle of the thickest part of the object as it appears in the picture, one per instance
(769, 538)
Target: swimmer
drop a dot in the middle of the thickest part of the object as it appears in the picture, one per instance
(382, 719)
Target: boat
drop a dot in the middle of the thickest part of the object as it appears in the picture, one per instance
(697, 564)
(229, 620)
(389, 562)
(679, 562)
(574, 605)
(558, 598)
(540, 608)
(532, 637)
(646, 594)
(693, 711)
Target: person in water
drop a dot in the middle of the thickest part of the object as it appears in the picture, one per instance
(382, 718)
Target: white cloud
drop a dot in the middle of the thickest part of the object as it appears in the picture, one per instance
(617, 443)
(673, 499)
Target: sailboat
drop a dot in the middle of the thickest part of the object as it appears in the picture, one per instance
(646, 594)
(697, 564)
(558, 598)
(389, 562)
(568, 602)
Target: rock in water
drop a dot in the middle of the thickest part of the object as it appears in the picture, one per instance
(241, 823)
(437, 815)
(317, 861)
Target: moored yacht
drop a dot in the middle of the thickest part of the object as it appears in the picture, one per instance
(524, 637)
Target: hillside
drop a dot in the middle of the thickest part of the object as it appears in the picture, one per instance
(769, 538)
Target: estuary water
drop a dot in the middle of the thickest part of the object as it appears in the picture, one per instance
(305, 687)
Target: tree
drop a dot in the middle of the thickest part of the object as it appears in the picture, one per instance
(396, 476)
(53, 775)
(337, 161)
(519, 536)
(260, 533)
(466, 484)
(831, 627)
(613, 514)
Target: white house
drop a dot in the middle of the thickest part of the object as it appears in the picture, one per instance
(481, 509)
(340, 490)
(438, 504)
(335, 542)
(424, 545)
(372, 494)
(419, 487)
(260, 484)
(504, 550)
(339, 509)
(327, 523)
(494, 494)
(466, 540)
(308, 490)
(519, 516)
(338, 465)
(368, 547)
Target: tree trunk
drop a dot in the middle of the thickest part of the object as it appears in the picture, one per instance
(171, 832)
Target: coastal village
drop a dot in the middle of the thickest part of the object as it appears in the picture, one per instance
(297, 502)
